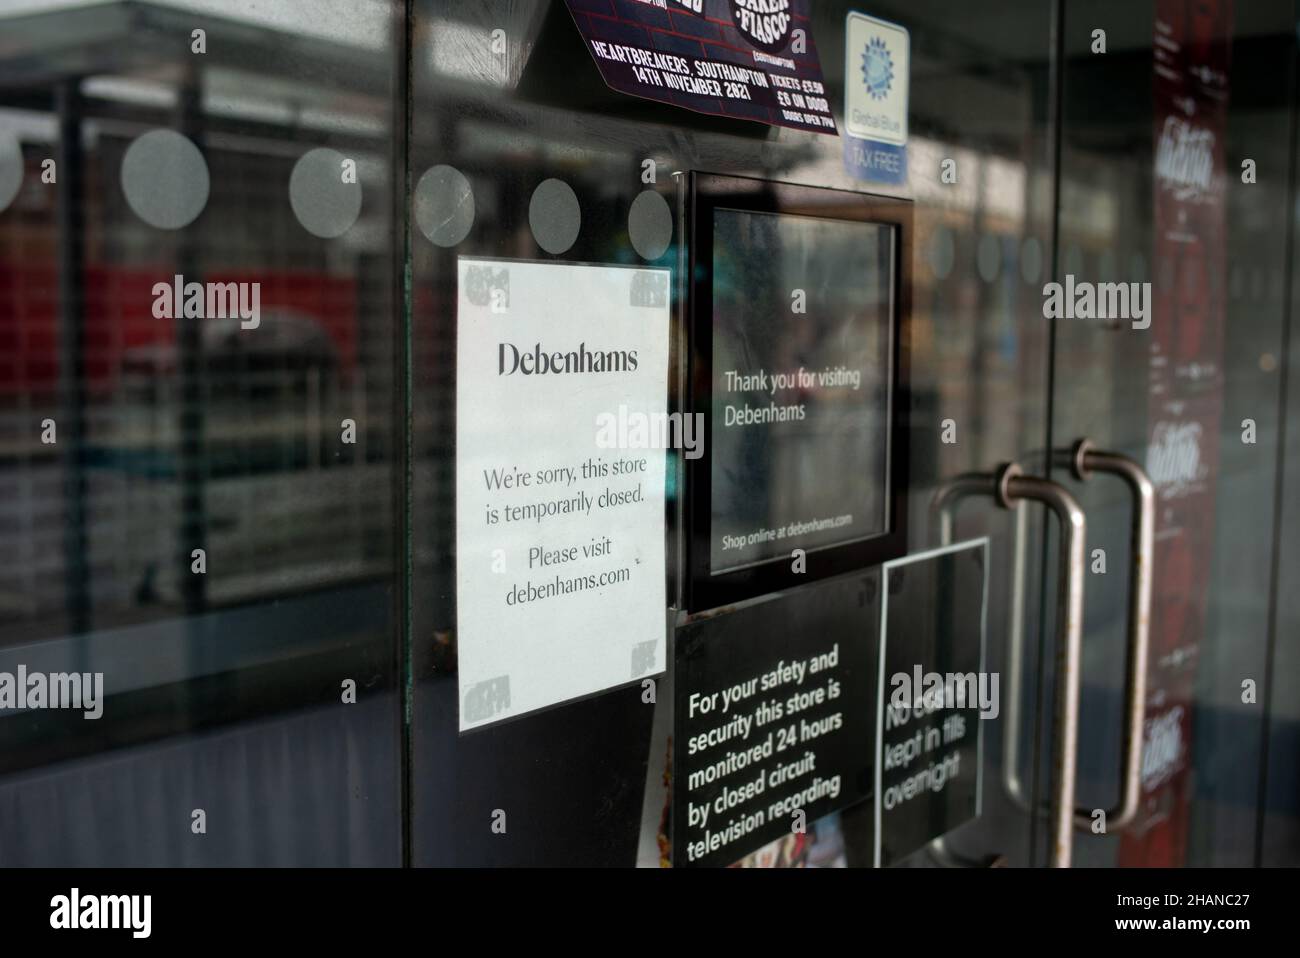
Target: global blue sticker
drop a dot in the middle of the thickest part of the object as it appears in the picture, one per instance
(876, 161)
(875, 99)
(877, 68)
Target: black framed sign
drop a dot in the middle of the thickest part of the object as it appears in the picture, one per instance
(774, 707)
(797, 309)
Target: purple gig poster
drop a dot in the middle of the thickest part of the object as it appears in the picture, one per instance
(748, 59)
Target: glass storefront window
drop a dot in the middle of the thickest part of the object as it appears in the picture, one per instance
(239, 246)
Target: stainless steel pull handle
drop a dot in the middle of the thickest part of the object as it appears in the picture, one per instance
(945, 505)
(1083, 459)
(1008, 487)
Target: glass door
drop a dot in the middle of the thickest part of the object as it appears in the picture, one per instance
(520, 151)
(1165, 296)
(1179, 193)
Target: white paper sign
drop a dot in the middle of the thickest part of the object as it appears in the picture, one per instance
(559, 533)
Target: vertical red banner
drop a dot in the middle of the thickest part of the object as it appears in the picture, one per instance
(1191, 53)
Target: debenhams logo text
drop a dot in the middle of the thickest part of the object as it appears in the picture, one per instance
(536, 362)
(134, 912)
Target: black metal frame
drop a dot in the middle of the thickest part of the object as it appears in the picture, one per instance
(707, 192)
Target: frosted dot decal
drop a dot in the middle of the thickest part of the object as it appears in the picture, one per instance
(444, 205)
(1074, 262)
(1031, 259)
(943, 252)
(165, 179)
(554, 216)
(324, 192)
(11, 168)
(988, 259)
(650, 225)
(1107, 267)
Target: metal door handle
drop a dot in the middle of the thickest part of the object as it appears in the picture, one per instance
(1083, 459)
(945, 504)
(1008, 487)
